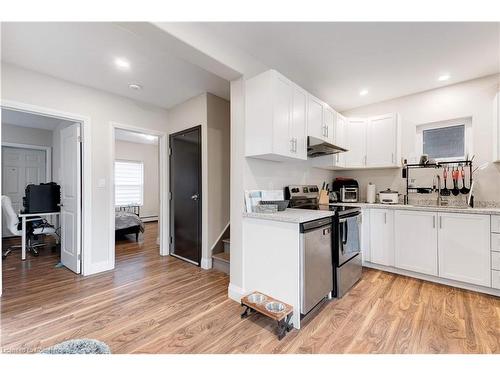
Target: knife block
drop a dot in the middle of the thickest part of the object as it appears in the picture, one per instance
(323, 197)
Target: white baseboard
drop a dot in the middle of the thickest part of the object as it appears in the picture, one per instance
(235, 292)
(435, 279)
(206, 263)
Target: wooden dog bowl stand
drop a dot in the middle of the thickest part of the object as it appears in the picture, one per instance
(282, 318)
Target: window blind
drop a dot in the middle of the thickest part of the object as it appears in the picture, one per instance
(129, 183)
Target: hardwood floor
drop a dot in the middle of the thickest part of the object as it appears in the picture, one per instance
(153, 304)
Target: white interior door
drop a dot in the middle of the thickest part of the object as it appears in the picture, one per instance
(71, 198)
(21, 167)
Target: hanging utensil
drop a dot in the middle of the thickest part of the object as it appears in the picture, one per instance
(463, 190)
(445, 192)
(454, 175)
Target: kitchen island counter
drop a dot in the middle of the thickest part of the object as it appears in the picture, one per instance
(291, 215)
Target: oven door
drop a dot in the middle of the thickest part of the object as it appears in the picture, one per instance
(349, 238)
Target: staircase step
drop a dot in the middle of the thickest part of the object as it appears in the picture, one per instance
(223, 257)
(226, 240)
(220, 262)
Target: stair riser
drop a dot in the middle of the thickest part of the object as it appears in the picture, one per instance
(220, 266)
(227, 247)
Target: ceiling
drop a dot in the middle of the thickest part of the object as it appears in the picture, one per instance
(84, 53)
(336, 60)
(135, 137)
(30, 120)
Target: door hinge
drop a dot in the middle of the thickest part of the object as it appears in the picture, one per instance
(80, 139)
(79, 257)
(171, 240)
(169, 151)
(170, 195)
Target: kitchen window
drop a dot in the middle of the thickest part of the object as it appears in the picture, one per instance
(129, 183)
(446, 140)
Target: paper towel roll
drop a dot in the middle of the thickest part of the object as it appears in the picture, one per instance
(370, 193)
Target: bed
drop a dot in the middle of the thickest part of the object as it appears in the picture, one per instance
(127, 222)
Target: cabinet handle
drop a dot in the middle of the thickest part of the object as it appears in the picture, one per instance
(392, 158)
(295, 145)
(385, 217)
(440, 222)
(291, 145)
(365, 159)
(434, 222)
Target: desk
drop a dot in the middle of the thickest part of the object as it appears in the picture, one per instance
(29, 217)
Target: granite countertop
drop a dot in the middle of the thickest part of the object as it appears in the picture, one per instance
(290, 215)
(430, 208)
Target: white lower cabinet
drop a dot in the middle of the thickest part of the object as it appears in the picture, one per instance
(415, 241)
(464, 248)
(382, 236)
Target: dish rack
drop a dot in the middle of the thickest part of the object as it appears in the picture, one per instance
(437, 165)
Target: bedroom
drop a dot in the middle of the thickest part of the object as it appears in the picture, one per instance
(136, 192)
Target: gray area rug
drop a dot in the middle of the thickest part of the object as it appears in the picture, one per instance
(78, 346)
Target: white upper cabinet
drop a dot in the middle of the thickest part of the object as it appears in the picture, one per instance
(275, 112)
(329, 118)
(416, 241)
(382, 236)
(355, 157)
(464, 248)
(315, 122)
(496, 128)
(382, 144)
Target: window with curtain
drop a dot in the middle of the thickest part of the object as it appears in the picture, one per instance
(129, 183)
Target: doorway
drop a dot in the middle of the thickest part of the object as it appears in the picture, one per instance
(41, 163)
(138, 195)
(185, 195)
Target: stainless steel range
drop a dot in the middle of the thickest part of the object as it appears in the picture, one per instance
(346, 240)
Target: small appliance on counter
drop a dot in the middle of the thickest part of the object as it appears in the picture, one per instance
(345, 190)
(389, 197)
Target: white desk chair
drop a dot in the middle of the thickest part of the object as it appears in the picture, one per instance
(13, 227)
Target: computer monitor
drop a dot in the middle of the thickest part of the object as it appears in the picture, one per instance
(42, 198)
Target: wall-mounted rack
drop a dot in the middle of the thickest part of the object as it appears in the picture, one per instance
(436, 165)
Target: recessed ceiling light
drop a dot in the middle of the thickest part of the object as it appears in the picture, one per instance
(363, 92)
(444, 77)
(122, 63)
(135, 86)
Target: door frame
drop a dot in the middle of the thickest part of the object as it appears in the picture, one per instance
(162, 155)
(86, 193)
(200, 189)
(48, 155)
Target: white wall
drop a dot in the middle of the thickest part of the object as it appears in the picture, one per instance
(468, 99)
(148, 155)
(247, 174)
(212, 113)
(20, 85)
(24, 135)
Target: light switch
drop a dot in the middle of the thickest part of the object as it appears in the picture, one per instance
(101, 183)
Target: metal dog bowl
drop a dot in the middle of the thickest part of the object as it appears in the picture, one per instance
(256, 298)
(275, 307)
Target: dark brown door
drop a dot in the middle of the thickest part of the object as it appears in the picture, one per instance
(185, 199)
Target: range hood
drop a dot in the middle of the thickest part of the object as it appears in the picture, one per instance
(317, 147)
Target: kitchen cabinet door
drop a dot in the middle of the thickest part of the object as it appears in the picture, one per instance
(381, 142)
(299, 124)
(329, 118)
(464, 248)
(340, 140)
(382, 236)
(283, 142)
(496, 128)
(356, 143)
(415, 241)
(315, 124)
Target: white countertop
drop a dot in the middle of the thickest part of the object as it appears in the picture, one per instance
(468, 210)
(291, 215)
